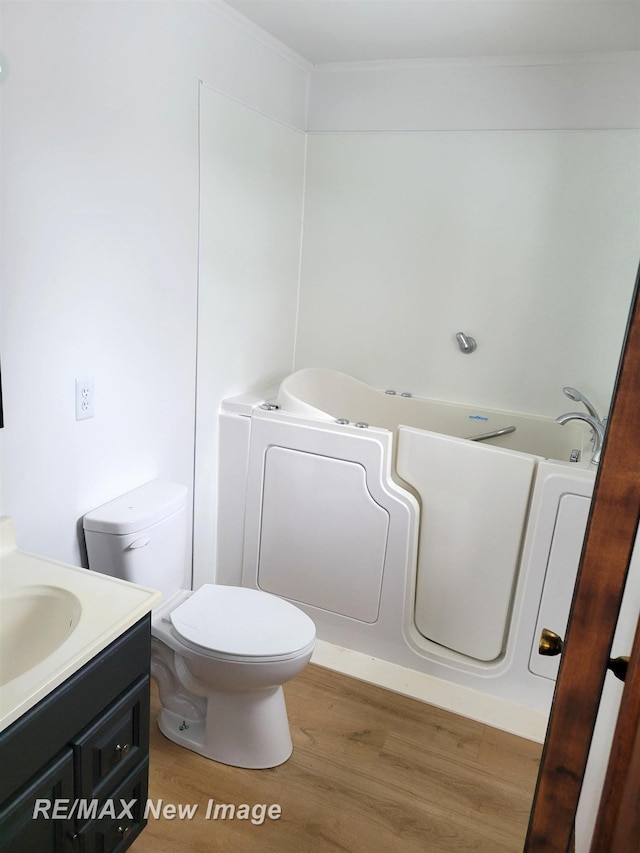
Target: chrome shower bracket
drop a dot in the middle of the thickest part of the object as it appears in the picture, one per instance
(466, 343)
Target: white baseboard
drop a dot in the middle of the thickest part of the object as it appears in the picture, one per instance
(490, 710)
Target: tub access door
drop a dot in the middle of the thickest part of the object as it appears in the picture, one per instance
(474, 508)
(325, 527)
(323, 538)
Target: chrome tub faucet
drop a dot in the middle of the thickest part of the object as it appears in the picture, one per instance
(598, 425)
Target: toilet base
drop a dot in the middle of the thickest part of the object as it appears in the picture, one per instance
(244, 729)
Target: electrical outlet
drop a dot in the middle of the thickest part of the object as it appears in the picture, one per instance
(84, 399)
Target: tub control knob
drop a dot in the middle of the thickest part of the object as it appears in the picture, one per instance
(342, 421)
(361, 425)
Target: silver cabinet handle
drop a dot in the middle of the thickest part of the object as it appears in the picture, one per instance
(123, 750)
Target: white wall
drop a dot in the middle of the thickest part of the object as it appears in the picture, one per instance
(525, 240)
(495, 197)
(477, 94)
(100, 242)
(252, 182)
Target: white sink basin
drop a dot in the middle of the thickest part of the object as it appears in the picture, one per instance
(54, 618)
(36, 620)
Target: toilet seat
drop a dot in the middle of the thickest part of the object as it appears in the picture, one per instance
(241, 624)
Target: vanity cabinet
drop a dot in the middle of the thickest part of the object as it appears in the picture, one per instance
(75, 767)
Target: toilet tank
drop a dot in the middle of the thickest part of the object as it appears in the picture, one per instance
(141, 536)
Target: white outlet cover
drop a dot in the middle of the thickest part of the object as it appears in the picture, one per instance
(84, 399)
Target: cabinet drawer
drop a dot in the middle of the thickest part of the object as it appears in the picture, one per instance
(113, 745)
(115, 831)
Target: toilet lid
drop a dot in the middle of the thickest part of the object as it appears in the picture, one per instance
(242, 622)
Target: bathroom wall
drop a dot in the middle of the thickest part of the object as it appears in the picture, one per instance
(525, 240)
(252, 180)
(100, 196)
(484, 93)
(495, 197)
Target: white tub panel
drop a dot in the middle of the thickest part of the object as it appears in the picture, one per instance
(474, 506)
(323, 538)
(560, 578)
(393, 637)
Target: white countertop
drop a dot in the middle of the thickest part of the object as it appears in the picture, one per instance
(102, 610)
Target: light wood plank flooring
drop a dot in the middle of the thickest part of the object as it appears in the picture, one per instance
(370, 771)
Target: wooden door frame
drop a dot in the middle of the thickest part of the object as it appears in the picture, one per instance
(618, 823)
(608, 546)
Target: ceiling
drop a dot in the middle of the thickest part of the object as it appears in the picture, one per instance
(323, 31)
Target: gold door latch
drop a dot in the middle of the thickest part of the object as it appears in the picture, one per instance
(551, 644)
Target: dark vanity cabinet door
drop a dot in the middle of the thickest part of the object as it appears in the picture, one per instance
(85, 747)
(18, 828)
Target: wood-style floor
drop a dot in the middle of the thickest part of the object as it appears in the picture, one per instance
(370, 771)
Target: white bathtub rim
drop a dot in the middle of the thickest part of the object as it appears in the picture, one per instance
(292, 393)
(285, 394)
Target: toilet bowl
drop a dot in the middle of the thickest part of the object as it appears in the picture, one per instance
(224, 653)
(219, 655)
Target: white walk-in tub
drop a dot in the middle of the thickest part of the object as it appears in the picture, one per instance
(405, 539)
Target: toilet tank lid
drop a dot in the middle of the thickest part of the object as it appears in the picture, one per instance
(138, 509)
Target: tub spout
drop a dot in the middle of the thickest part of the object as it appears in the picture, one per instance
(596, 425)
(466, 343)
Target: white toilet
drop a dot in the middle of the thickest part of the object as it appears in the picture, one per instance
(219, 655)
